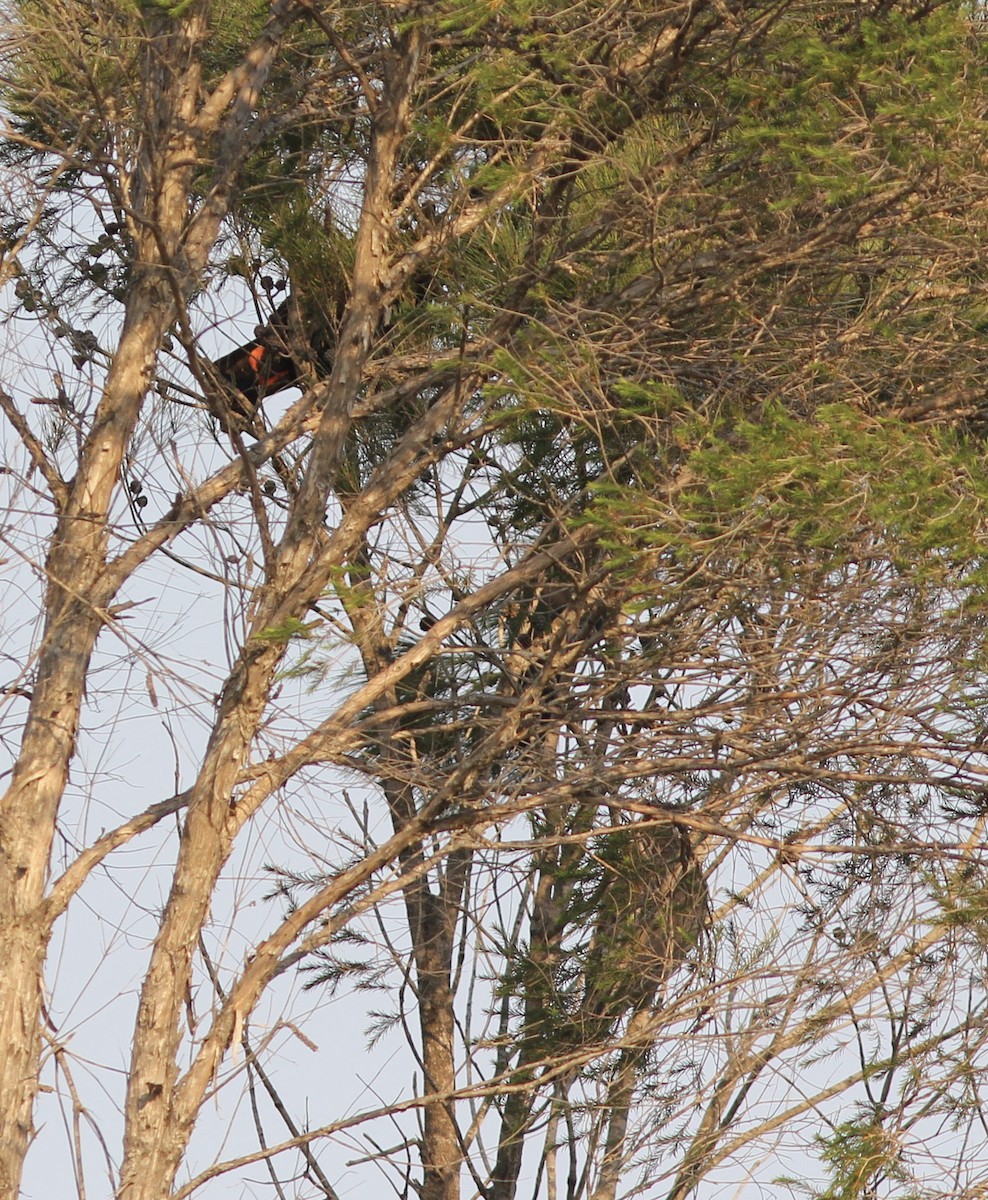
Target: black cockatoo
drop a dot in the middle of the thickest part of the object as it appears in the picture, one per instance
(295, 346)
(292, 348)
(262, 366)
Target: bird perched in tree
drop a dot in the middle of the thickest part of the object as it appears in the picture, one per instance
(294, 347)
(260, 367)
(291, 349)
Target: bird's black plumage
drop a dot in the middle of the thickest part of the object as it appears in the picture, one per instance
(260, 367)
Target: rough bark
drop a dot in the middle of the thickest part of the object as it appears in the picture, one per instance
(169, 251)
(432, 921)
(74, 570)
(160, 1115)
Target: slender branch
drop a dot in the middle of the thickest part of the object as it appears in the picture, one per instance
(75, 875)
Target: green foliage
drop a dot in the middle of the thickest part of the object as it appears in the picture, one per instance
(292, 629)
(172, 10)
(836, 473)
(55, 83)
(963, 900)
(837, 483)
(233, 25)
(858, 1153)
(828, 109)
(74, 54)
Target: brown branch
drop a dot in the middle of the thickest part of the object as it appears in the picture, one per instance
(56, 484)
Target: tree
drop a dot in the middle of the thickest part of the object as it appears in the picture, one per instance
(593, 650)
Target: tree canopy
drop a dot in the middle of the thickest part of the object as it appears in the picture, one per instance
(494, 509)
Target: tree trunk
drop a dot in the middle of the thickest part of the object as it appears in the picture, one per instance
(620, 1095)
(433, 919)
(76, 608)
